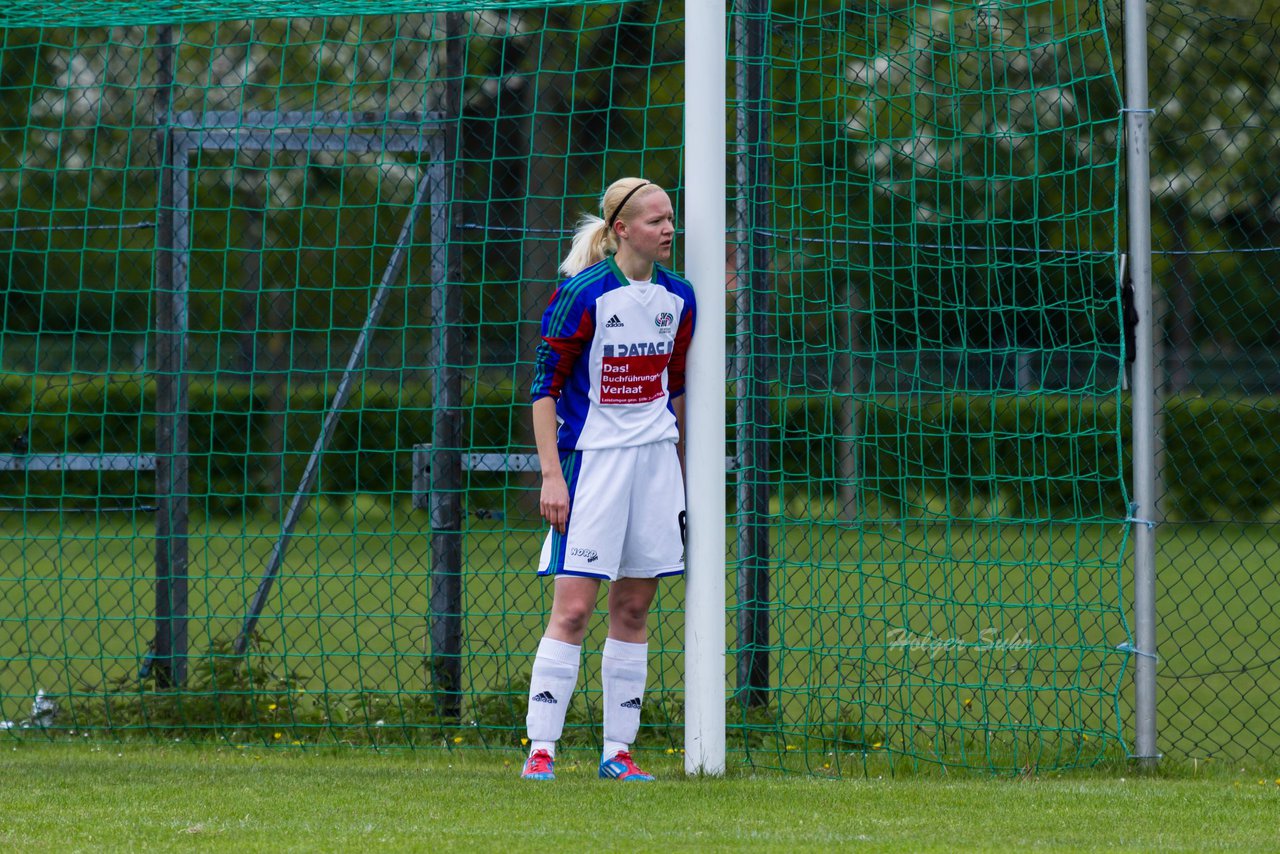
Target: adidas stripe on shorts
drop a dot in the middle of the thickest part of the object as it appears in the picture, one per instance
(626, 507)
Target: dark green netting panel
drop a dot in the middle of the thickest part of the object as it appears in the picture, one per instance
(932, 520)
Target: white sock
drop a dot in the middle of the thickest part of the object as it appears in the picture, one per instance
(555, 675)
(624, 668)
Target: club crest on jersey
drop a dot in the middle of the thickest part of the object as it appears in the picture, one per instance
(663, 320)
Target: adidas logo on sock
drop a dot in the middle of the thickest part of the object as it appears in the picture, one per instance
(631, 704)
(545, 697)
(614, 322)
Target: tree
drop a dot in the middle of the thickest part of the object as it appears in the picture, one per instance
(1215, 90)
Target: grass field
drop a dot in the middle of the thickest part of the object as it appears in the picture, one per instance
(77, 598)
(105, 797)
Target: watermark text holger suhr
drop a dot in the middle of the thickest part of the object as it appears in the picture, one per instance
(988, 640)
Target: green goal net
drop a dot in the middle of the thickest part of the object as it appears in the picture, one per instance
(272, 288)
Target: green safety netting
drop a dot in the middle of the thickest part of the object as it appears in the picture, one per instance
(273, 276)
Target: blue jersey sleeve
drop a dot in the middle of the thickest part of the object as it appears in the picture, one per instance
(568, 325)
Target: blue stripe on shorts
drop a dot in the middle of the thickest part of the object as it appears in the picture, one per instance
(571, 465)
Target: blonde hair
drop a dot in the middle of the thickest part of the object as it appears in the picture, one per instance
(594, 239)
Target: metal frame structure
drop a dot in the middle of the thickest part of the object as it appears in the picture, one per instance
(187, 133)
(77, 462)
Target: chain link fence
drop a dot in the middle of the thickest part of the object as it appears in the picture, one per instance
(1214, 76)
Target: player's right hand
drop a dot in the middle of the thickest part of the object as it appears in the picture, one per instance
(554, 502)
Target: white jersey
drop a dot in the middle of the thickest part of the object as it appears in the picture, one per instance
(613, 356)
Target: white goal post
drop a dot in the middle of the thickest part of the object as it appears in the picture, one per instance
(704, 249)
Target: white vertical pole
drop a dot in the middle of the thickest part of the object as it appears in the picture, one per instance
(704, 250)
(1138, 179)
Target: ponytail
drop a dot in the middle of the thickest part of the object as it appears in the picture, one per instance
(593, 241)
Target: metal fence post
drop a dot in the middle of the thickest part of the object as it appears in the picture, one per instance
(446, 426)
(1138, 185)
(169, 652)
(753, 464)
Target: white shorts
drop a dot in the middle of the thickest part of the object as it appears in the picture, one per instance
(626, 515)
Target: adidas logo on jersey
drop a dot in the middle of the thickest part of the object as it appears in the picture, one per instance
(631, 704)
(545, 697)
(614, 322)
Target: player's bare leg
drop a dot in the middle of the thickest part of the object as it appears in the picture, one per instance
(572, 605)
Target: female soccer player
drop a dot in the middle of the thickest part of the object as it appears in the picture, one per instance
(608, 414)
